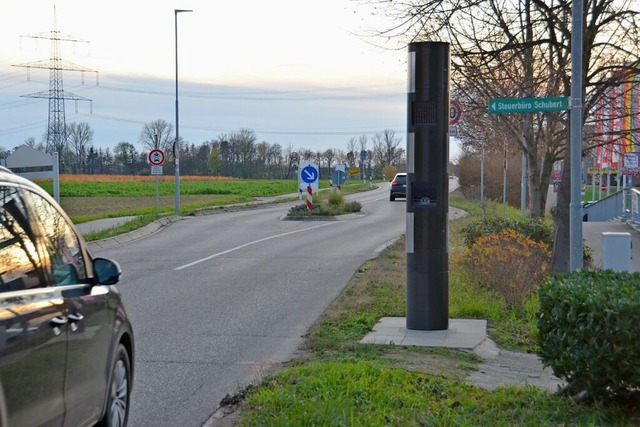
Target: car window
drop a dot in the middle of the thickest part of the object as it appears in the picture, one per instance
(401, 179)
(67, 259)
(21, 259)
(37, 246)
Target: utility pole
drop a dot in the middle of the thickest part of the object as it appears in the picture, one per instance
(56, 127)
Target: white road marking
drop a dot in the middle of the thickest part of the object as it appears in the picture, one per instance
(244, 245)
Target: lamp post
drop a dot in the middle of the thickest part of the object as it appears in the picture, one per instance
(176, 144)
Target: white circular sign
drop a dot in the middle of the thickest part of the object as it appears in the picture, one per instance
(455, 111)
(156, 157)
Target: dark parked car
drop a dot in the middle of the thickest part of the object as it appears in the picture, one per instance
(398, 186)
(66, 344)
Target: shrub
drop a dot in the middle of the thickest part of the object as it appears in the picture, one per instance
(508, 262)
(333, 205)
(537, 229)
(351, 207)
(589, 326)
(335, 199)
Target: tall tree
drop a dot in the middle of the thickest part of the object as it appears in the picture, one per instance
(509, 49)
(164, 132)
(293, 161)
(352, 146)
(245, 142)
(125, 156)
(80, 137)
(386, 148)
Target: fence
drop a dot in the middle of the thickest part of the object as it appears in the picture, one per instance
(611, 207)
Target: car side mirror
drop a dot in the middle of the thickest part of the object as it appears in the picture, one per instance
(107, 272)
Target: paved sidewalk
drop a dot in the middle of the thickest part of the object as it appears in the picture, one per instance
(102, 224)
(499, 367)
(503, 367)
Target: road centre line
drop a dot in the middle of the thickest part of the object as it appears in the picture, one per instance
(244, 245)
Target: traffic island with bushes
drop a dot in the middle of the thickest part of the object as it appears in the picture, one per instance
(325, 206)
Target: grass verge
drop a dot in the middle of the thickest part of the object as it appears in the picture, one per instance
(337, 381)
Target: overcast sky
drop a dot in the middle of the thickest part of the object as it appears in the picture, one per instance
(297, 72)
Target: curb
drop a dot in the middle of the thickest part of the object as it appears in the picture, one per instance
(147, 230)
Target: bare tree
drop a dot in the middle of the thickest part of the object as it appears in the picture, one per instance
(79, 137)
(521, 48)
(164, 131)
(329, 155)
(351, 151)
(362, 142)
(293, 161)
(386, 148)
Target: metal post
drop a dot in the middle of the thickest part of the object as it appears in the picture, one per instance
(482, 178)
(155, 145)
(176, 144)
(56, 176)
(575, 207)
(593, 180)
(504, 182)
(523, 187)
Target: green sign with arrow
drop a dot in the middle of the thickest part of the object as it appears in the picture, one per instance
(528, 105)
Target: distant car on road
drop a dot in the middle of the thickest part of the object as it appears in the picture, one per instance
(398, 186)
(67, 348)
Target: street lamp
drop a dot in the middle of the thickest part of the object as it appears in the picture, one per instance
(176, 144)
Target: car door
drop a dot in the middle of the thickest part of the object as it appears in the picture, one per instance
(88, 313)
(32, 320)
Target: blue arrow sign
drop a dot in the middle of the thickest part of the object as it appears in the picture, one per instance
(309, 174)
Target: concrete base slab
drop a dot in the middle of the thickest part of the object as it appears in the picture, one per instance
(462, 334)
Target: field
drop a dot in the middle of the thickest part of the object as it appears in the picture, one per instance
(88, 197)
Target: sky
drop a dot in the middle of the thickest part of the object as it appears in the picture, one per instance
(299, 73)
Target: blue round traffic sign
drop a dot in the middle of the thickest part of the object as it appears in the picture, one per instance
(309, 174)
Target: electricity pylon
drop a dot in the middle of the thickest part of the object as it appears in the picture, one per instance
(57, 127)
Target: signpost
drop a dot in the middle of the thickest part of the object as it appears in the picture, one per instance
(156, 159)
(528, 105)
(339, 175)
(309, 175)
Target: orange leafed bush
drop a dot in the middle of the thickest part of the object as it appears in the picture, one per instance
(509, 263)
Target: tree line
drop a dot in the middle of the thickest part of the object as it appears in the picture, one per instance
(237, 154)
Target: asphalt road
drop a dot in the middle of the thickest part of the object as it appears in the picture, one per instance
(216, 299)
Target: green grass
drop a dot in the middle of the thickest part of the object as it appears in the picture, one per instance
(363, 393)
(136, 188)
(340, 382)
